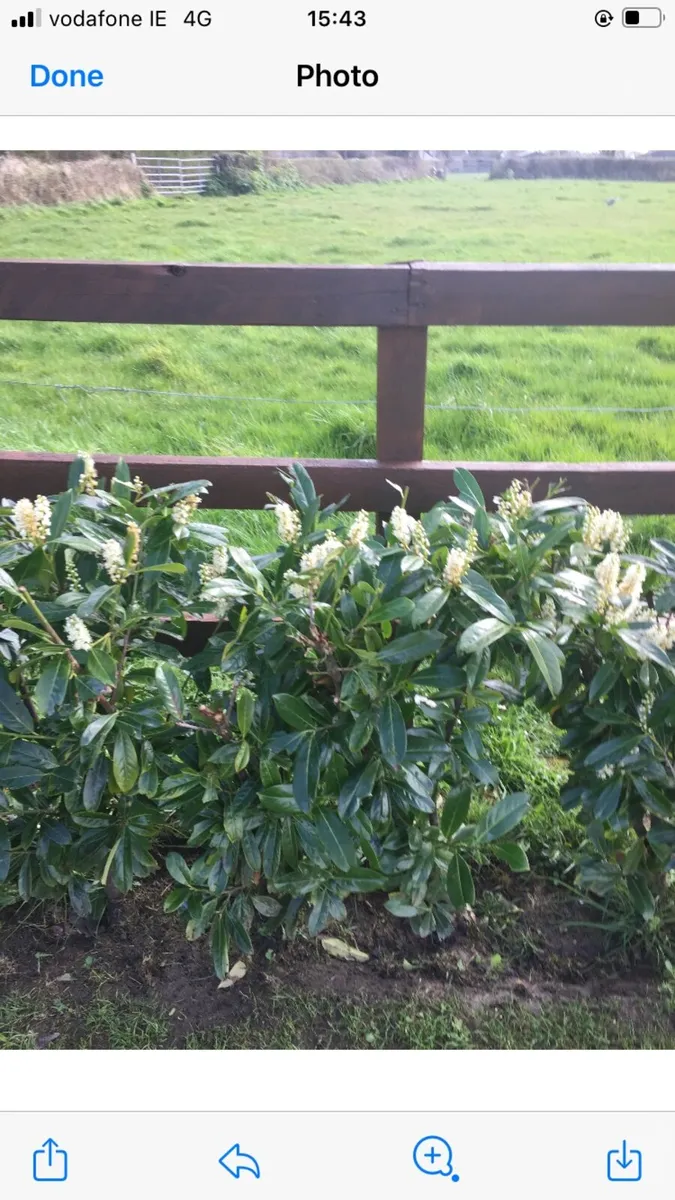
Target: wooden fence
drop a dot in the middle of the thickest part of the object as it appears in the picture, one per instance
(402, 301)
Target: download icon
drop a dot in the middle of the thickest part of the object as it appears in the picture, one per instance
(624, 1165)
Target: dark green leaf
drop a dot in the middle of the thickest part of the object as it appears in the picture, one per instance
(468, 487)
(335, 839)
(607, 802)
(359, 785)
(392, 732)
(460, 883)
(412, 647)
(603, 681)
(245, 710)
(20, 776)
(52, 685)
(455, 809)
(280, 798)
(178, 869)
(267, 906)
(102, 666)
(98, 725)
(60, 514)
(400, 907)
(361, 732)
(613, 751)
(641, 897)
(482, 634)
(220, 945)
(168, 684)
(306, 772)
(547, 656)
(429, 605)
(442, 678)
(94, 600)
(644, 647)
(295, 711)
(13, 712)
(305, 489)
(478, 589)
(125, 762)
(176, 899)
(94, 783)
(5, 854)
(514, 855)
(167, 568)
(502, 817)
(393, 610)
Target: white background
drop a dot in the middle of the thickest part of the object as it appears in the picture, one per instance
(442, 61)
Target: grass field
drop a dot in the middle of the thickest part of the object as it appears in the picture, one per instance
(315, 371)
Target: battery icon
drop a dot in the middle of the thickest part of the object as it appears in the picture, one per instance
(642, 18)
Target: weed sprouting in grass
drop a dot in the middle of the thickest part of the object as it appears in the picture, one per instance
(525, 746)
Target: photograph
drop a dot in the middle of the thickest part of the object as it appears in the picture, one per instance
(337, 600)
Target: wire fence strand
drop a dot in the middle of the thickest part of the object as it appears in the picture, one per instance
(449, 407)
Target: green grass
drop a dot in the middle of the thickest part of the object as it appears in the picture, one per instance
(296, 1021)
(459, 219)
(524, 746)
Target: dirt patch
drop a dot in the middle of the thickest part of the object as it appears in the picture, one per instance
(523, 948)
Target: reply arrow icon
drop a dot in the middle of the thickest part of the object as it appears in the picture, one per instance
(235, 1162)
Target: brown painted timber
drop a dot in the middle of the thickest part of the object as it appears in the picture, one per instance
(401, 391)
(541, 294)
(414, 294)
(243, 483)
(187, 294)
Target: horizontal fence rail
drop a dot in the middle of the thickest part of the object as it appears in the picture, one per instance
(412, 294)
(243, 483)
(401, 301)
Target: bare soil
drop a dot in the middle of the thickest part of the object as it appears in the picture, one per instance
(525, 948)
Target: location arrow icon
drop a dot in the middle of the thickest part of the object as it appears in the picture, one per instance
(235, 1162)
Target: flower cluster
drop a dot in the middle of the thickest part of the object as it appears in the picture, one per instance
(515, 503)
(71, 571)
(301, 583)
(184, 511)
(459, 561)
(33, 521)
(548, 609)
(620, 599)
(113, 560)
(289, 525)
(217, 568)
(606, 528)
(606, 772)
(662, 632)
(315, 560)
(645, 708)
(409, 533)
(358, 531)
(77, 633)
(89, 476)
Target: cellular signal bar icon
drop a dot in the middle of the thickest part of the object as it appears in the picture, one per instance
(32, 20)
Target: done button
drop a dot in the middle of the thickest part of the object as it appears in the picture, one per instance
(41, 76)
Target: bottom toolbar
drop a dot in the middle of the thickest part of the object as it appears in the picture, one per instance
(269, 1154)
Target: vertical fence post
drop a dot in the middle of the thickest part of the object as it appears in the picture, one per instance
(401, 389)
